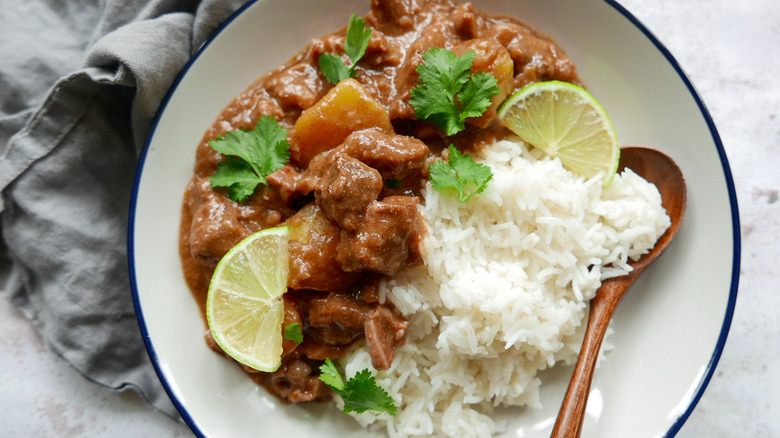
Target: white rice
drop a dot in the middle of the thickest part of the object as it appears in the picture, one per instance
(504, 289)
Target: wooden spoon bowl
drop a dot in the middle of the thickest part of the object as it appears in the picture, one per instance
(659, 169)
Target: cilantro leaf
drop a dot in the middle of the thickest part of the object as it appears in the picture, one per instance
(293, 332)
(365, 394)
(262, 151)
(476, 94)
(461, 173)
(358, 37)
(448, 92)
(443, 68)
(333, 68)
(360, 393)
(238, 176)
(435, 104)
(331, 376)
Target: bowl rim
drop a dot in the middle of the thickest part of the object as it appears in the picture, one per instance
(736, 236)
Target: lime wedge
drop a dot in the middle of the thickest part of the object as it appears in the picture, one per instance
(565, 121)
(244, 308)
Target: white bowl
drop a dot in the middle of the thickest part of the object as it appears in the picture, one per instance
(669, 330)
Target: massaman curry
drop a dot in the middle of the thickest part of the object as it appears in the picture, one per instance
(358, 160)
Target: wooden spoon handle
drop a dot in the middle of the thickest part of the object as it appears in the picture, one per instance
(572, 412)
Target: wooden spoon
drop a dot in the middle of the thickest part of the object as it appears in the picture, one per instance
(659, 169)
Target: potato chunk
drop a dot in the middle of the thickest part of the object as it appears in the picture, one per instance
(491, 57)
(314, 240)
(344, 109)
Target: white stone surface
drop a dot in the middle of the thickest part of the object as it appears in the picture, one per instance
(731, 51)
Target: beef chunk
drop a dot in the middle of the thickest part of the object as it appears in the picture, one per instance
(346, 189)
(295, 87)
(388, 239)
(285, 181)
(209, 242)
(369, 290)
(316, 350)
(384, 331)
(394, 156)
(294, 381)
(337, 318)
(393, 17)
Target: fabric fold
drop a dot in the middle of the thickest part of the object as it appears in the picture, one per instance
(71, 133)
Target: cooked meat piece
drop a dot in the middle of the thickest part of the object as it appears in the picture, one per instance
(336, 318)
(393, 16)
(536, 56)
(218, 223)
(296, 86)
(207, 241)
(369, 290)
(311, 176)
(285, 180)
(385, 330)
(388, 239)
(346, 189)
(316, 350)
(294, 381)
(436, 32)
(313, 246)
(465, 22)
(394, 156)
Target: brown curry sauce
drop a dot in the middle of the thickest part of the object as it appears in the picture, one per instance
(350, 227)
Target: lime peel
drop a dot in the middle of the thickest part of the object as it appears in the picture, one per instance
(244, 308)
(566, 122)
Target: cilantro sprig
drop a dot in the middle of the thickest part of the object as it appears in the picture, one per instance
(360, 393)
(262, 151)
(355, 47)
(293, 332)
(461, 173)
(449, 92)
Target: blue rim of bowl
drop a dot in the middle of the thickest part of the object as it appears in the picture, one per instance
(710, 370)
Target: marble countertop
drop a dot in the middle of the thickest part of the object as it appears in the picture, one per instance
(731, 52)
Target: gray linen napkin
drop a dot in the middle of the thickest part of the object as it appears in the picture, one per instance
(80, 83)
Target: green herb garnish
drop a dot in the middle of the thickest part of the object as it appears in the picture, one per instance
(293, 332)
(449, 92)
(461, 173)
(355, 47)
(262, 151)
(360, 393)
